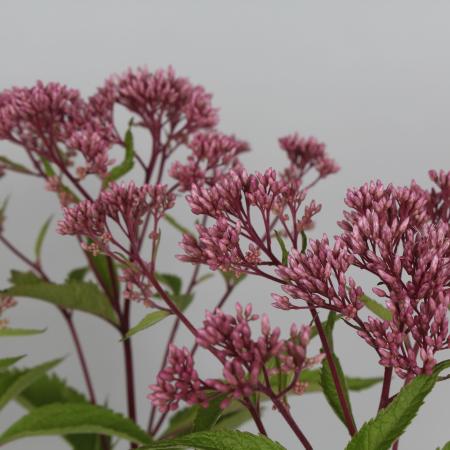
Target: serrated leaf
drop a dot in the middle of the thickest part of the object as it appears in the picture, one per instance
(390, 423)
(207, 417)
(329, 388)
(148, 321)
(13, 383)
(40, 238)
(51, 389)
(8, 362)
(376, 308)
(6, 332)
(74, 418)
(126, 165)
(174, 282)
(218, 440)
(82, 296)
(284, 250)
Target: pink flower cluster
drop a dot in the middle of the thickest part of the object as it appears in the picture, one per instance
(231, 202)
(53, 121)
(305, 155)
(212, 154)
(126, 204)
(396, 234)
(159, 99)
(245, 360)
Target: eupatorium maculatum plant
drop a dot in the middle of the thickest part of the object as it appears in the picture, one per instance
(247, 224)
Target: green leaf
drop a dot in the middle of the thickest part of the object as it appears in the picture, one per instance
(390, 423)
(15, 167)
(284, 250)
(304, 241)
(103, 265)
(218, 440)
(445, 447)
(51, 389)
(182, 300)
(14, 382)
(19, 332)
(148, 321)
(359, 384)
(48, 169)
(74, 418)
(82, 296)
(40, 239)
(206, 418)
(7, 362)
(329, 388)
(231, 279)
(172, 221)
(174, 282)
(381, 311)
(128, 162)
(77, 274)
(329, 327)
(181, 422)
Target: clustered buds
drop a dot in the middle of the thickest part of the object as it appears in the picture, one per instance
(126, 204)
(305, 155)
(245, 360)
(213, 153)
(157, 98)
(231, 202)
(397, 234)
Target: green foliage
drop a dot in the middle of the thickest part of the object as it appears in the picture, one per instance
(12, 383)
(8, 362)
(206, 418)
(284, 250)
(105, 268)
(74, 418)
(148, 321)
(445, 447)
(14, 332)
(304, 241)
(82, 296)
(379, 310)
(77, 274)
(174, 282)
(390, 423)
(218, 440)
(329, 388)
(128, 162)
(231, 279)
(40, 238)
(15, 167)
(50, 389)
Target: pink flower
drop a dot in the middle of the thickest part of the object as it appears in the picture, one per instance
(157, 98)
(212, 154)
(307, 154)
(177, 381)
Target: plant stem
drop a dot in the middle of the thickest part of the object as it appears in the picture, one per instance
(129, 368)
(329, 355)
(289, 419)
(384, 398)
(81, 357)
(66, 314)
(256, 417)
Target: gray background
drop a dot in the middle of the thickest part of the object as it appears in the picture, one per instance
(371, 79)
